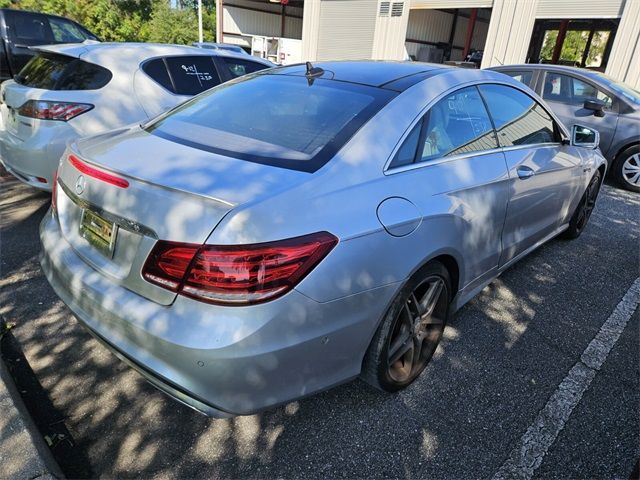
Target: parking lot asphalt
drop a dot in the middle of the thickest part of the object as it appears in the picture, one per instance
(503, 357)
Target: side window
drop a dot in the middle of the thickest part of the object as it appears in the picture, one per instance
(30, 29)
(65, 31)
(239, 67)
(518, 118)
(192, 74)
(84, 76)
(457, 124)
(570, 90)
(406, 155)
(523, 76)
(157, 70)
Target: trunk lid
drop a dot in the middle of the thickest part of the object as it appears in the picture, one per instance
(175, 193)
(14, 95)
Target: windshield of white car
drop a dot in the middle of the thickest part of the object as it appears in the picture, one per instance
(280, 120)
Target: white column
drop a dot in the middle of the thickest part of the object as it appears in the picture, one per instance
(624, 61)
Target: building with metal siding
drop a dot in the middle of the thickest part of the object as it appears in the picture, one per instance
(506, 31)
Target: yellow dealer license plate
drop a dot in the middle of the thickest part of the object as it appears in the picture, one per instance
(98, 232)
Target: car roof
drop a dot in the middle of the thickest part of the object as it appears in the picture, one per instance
(215, 44)
(33, 12)
(372, 73)
(116, 53)
(550, 66)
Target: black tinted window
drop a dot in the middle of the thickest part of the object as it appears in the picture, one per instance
(406, 155)
(157, 70)
(29, 28)
(568, 89)
(519, 119)
(277, 120)
(59, 72)
(457, 124)
(239, 67)
(192, 75)
(65, 31)
(523, 77)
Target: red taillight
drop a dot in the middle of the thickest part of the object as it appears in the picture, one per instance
(46, 110)
(54, 192)
(236, 275)
(168, 262)
(97, 174)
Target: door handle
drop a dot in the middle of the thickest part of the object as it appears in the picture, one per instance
(525, 172)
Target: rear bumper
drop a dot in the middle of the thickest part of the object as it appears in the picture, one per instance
(219, 360)
(37, 156)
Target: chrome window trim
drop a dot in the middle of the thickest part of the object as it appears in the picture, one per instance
(390, 171)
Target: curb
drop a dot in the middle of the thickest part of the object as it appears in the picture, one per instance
(23, 452)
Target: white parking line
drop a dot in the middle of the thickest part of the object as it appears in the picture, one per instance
(528, 455)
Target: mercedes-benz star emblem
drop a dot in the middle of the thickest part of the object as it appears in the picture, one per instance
(80, 184)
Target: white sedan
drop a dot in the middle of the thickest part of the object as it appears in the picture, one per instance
(76, 90)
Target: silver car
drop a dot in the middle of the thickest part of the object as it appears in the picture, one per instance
(302, 226)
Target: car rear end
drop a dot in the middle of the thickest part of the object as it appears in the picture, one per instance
(131, 247)
(50, 102)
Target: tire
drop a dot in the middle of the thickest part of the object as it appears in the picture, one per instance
(626, 169)
(581, 215)
(414, 321)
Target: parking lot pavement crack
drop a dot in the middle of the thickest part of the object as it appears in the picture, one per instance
(529, 453)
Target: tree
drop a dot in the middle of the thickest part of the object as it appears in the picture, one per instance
(130, 20)
(169, 25)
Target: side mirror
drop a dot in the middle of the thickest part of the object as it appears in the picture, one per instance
(584, 137)
(596, 105)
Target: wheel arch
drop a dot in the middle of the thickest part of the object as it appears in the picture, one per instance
(621, 150)
(448, 259)
(451, 264)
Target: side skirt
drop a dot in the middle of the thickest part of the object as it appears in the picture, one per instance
(475, 286)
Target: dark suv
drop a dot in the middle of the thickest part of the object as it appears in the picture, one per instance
(20, 30)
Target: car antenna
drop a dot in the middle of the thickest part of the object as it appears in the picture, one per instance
(312, 73)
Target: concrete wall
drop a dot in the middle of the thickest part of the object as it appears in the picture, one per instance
(356, 29)
(512, 25)
(353, 29)
(509, 32)
(580, 8)
(624, 62)
(390, 32)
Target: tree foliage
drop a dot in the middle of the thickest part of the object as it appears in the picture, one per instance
(574, 44)
(131, 20)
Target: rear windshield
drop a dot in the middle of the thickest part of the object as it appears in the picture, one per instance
(60, 72)
(278, 120)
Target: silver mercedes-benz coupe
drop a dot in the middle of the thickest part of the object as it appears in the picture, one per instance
(299, 227)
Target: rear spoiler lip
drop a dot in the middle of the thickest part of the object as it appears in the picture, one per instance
(54, 48)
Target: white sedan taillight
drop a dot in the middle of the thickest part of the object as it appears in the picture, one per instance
(47, 110)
